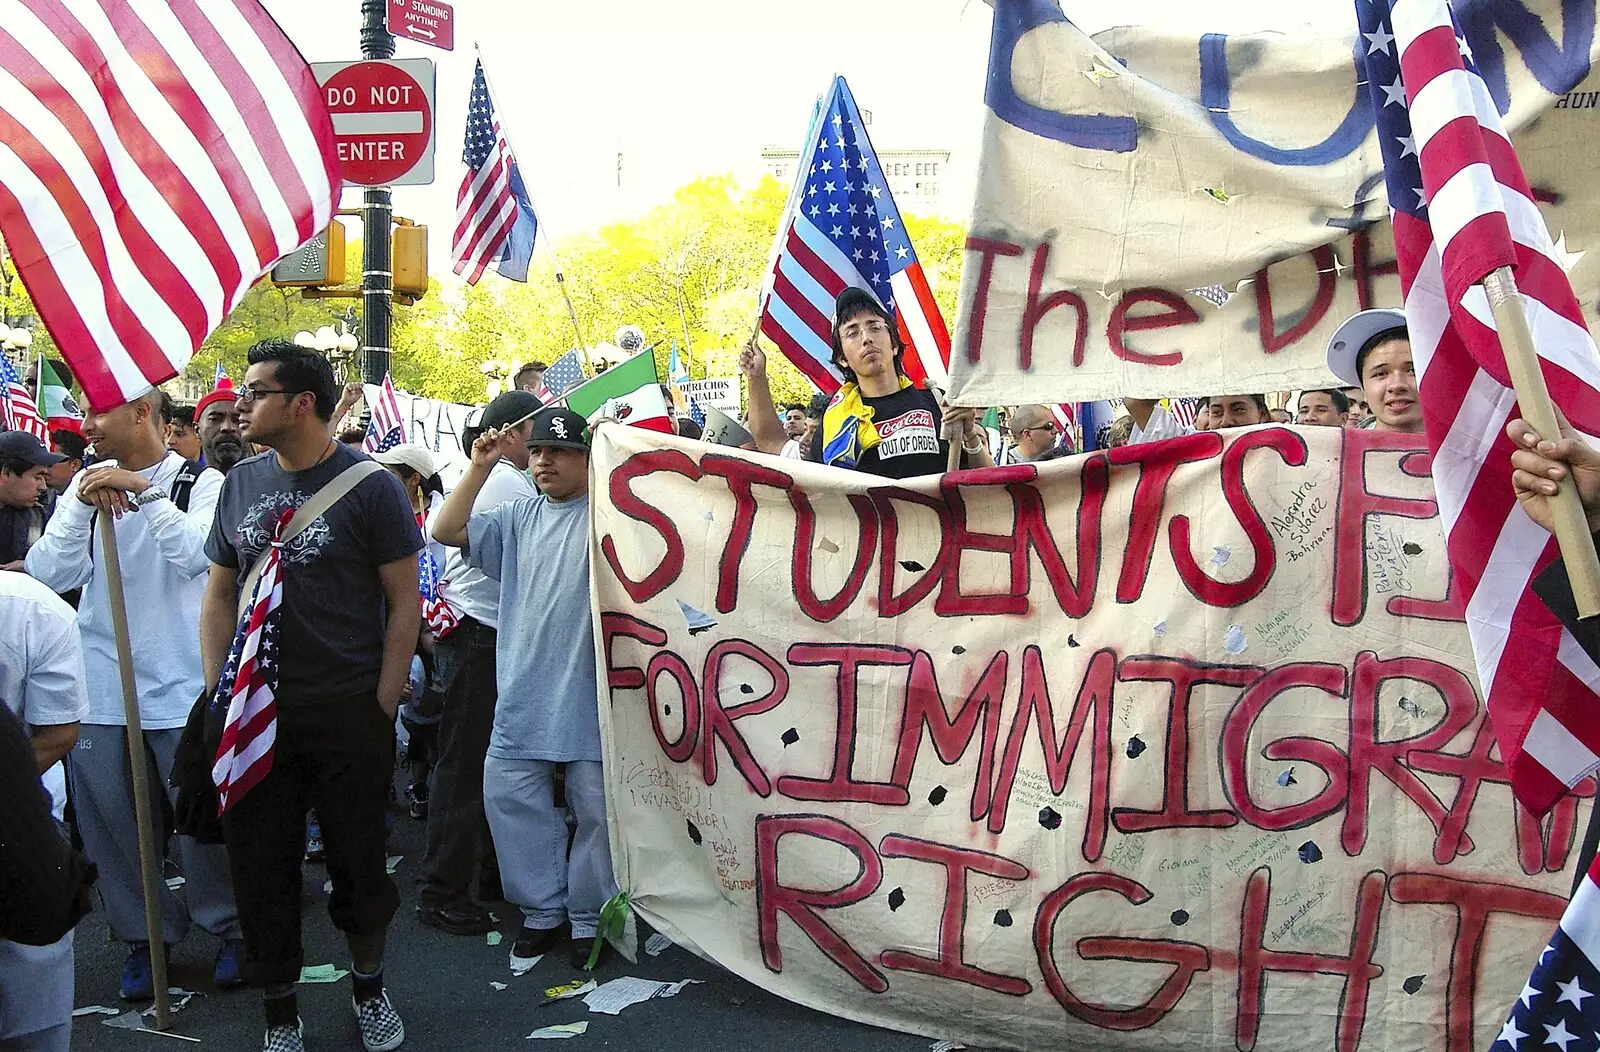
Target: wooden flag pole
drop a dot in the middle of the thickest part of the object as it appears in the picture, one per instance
(1522, 362)
(138, 767)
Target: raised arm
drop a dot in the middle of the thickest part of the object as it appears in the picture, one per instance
(763, 415)
(450, 528)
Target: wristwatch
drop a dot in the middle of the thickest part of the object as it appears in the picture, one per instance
(150, 496)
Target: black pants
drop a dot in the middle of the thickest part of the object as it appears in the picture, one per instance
(338, 758)
(458, 834)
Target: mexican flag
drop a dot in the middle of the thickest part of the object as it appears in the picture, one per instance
(61, 413)
(628, 393)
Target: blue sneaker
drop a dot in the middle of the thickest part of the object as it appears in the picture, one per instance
(138, 977)
(229, 971)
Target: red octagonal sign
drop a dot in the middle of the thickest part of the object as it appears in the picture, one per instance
(382, 119)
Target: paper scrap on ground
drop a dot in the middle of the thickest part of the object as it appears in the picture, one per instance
(561, 1030)
(576, 988)
(945, 1046)
(175, 883)
(524, 965)
(497, 986)
(628, 991)
(657, 944)
(391, 862)
(493, 938)
(180, 999)
(321, 973)
(126, 1021)
(327, 887)
(79, 1013)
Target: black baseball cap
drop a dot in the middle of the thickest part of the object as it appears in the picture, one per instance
(508, 408)
(561, 428)
(19, 445)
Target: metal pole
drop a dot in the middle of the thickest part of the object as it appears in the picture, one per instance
(377, 212)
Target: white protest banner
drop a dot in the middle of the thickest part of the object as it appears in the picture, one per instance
(1119, 172)
(1172, 747)
(434, 424)
(720, 394)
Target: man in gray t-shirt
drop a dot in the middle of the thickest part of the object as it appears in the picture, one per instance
(548, 711)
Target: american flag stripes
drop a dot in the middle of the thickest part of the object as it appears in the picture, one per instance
(841, 229)
(18, 411)
(1184, 410)
(1462, 207)
(158, 157)
(437, 613)
(387, 427)
(495, 224)
(249, 683)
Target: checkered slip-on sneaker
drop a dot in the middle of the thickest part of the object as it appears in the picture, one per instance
(284, 1039)
(381, 1028)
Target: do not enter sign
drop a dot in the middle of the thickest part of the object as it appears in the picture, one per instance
(382, 119)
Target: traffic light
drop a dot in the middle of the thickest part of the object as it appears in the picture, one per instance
(410, 259)
(319, 262)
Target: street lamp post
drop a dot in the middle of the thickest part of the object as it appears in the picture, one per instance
(377, 214)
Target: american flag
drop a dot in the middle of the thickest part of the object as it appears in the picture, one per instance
(249, 685)
(1461, 208)
(1553, 1008)
(18, 411)
(387, 427)
(565, 373)
(495, 224)
(841, 229)
(697, 412)
(1184, 410)
(440, 616)
(159, 158)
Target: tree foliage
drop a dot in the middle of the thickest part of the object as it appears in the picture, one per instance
(687, 273)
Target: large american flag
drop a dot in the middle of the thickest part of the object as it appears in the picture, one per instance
(1461, 208)
(495, 224)
(249, 684)
(387, 427)
(18, 411)
(841, 229)
(158, 157)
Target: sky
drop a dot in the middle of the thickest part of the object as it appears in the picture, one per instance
(691, 88)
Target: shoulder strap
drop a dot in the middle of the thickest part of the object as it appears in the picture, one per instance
(309, 512)
(183, 483)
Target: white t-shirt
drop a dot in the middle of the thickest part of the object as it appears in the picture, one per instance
(793, 450)
(470, 590)
(1161, 424)
(41, 664)
(162, 553)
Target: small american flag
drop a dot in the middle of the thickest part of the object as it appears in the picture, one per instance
(565, 373)
(1553, 1008)
(158, 158)
(387, 427)
(1184, 410)
(440, 616)
(495, 224)
(249, 684)
(697, 412)
(1462, 208)
(842, 229)
(18, 411)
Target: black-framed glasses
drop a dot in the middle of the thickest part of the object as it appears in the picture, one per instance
(253, 394)
(1037, 427)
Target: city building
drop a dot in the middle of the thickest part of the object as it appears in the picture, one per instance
(917, 177)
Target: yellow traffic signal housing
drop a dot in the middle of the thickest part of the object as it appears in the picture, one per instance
(319, 262)
(410, 265)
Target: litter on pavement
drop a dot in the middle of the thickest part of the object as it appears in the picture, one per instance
(560, 1030)
(321, 973)
(657, 944)
(628, 991)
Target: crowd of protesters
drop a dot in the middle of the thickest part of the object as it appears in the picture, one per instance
(460, 619)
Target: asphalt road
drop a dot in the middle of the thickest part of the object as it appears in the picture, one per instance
(441, 986)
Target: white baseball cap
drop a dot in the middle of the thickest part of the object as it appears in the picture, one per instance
(1353, 335)
(408, 455)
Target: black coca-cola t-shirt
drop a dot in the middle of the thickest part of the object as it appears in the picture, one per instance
(908, 423)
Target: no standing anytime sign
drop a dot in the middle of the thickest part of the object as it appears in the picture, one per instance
(382, 119)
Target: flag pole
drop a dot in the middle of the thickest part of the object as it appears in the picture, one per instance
(1571, 526)
(138, 765)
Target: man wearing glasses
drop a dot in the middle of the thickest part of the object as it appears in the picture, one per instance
(350, 618)
(1032, 431)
